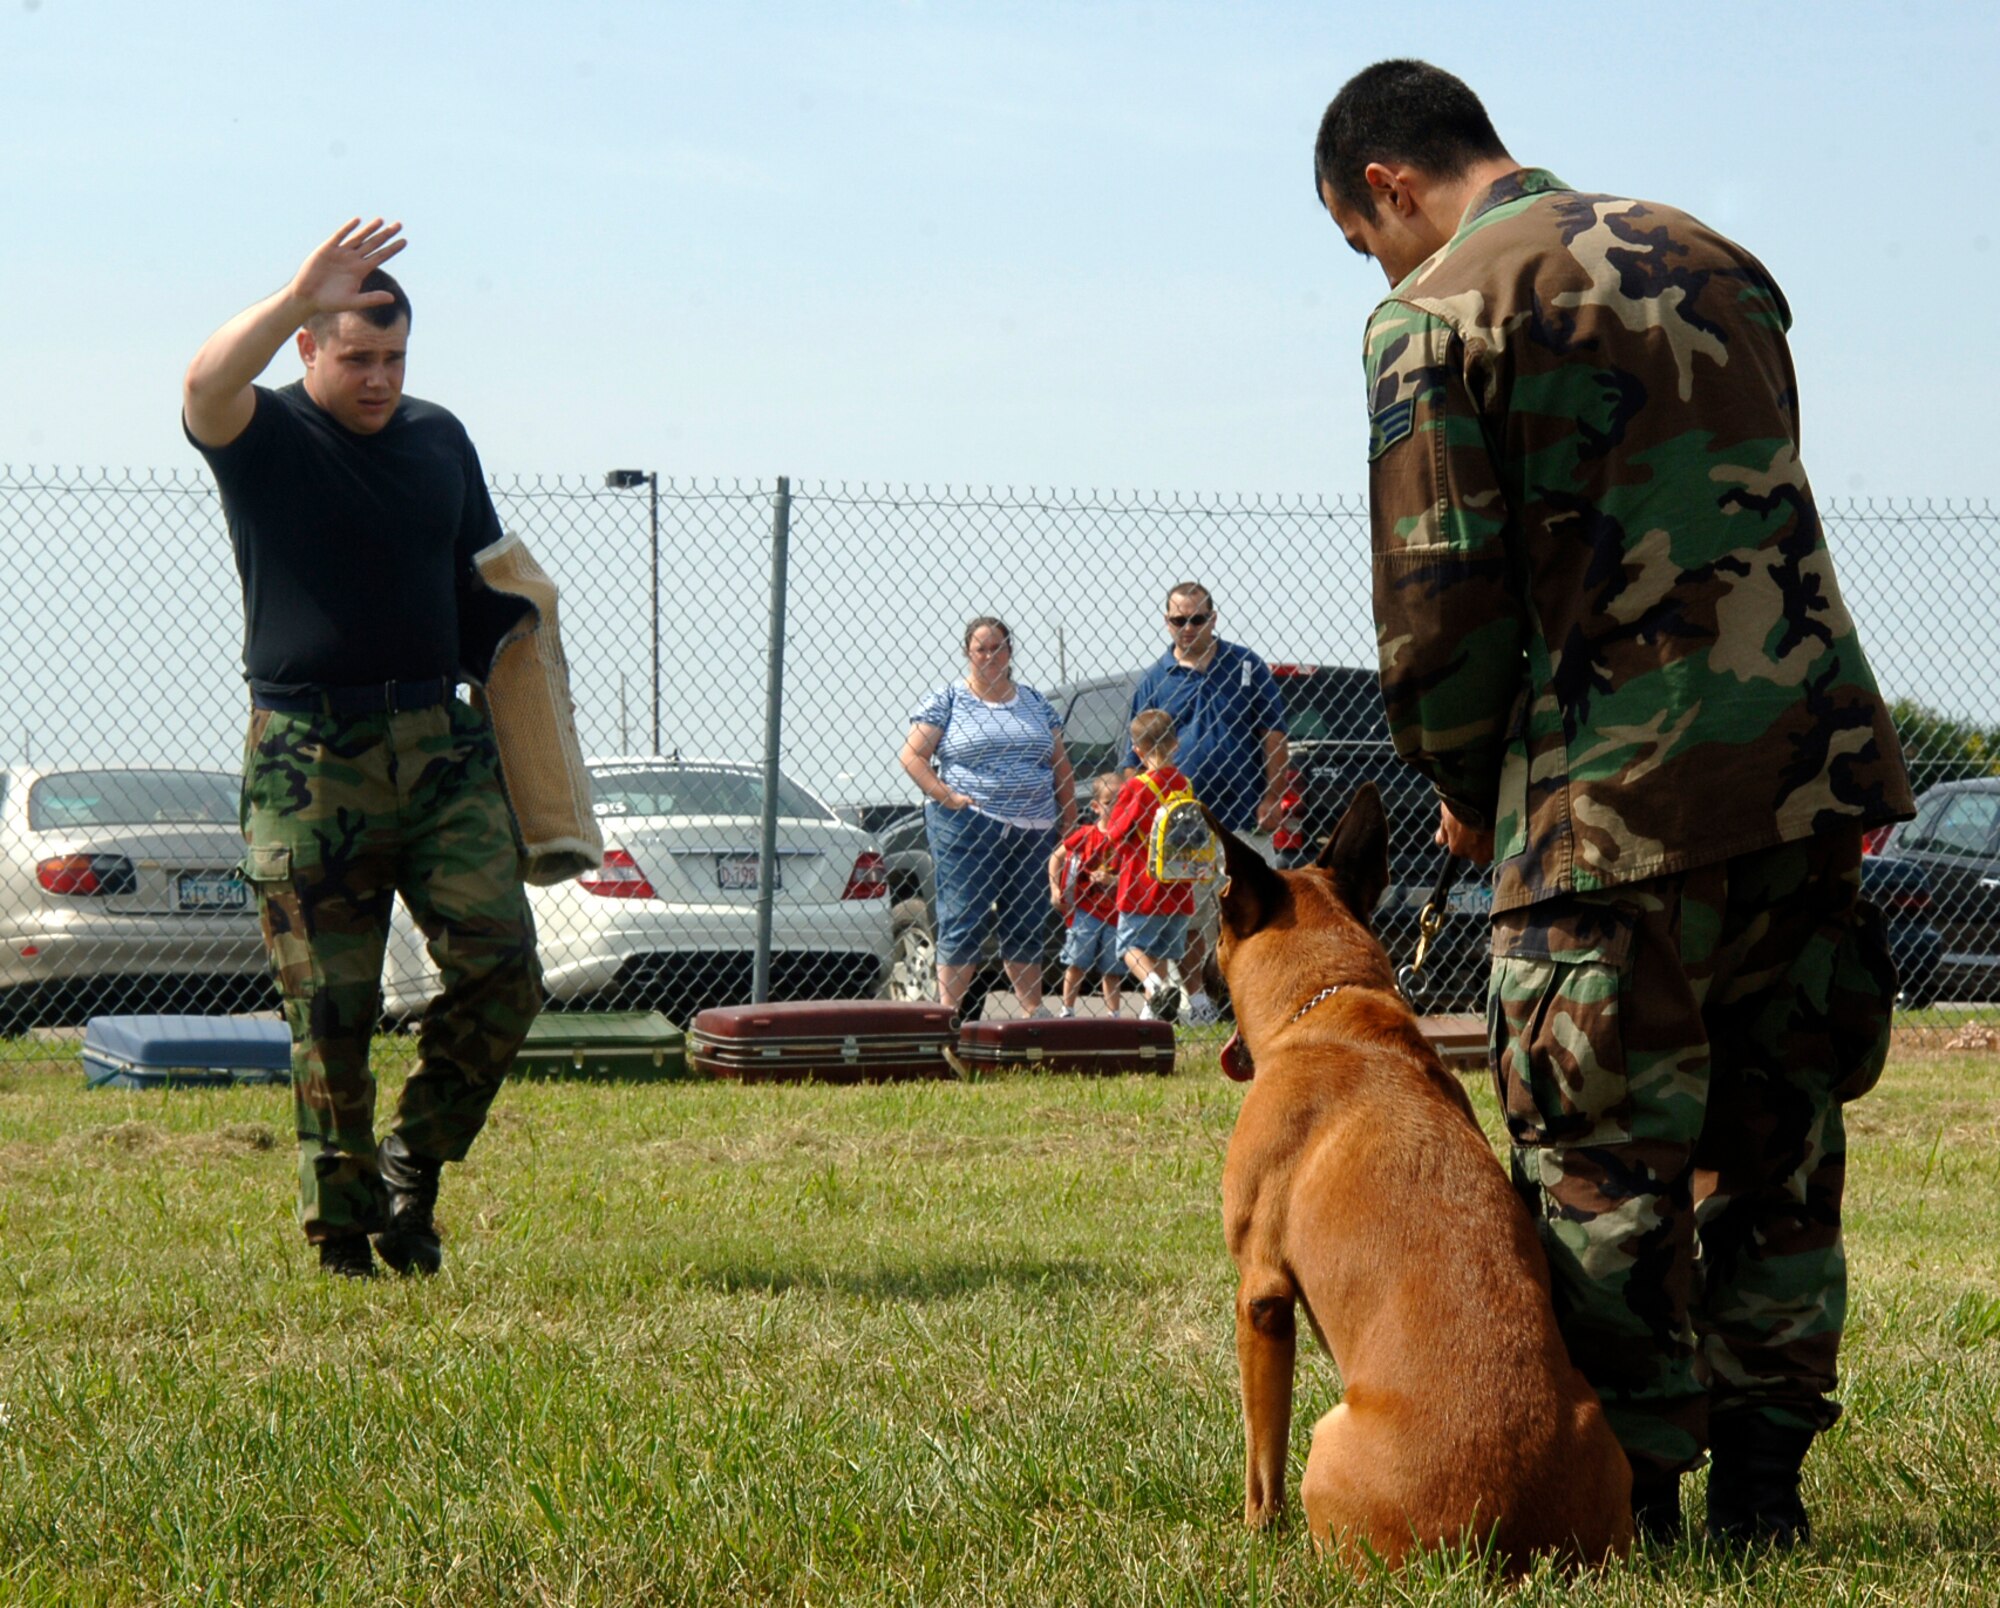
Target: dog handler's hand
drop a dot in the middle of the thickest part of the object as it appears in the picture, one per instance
(329, 281)
(1467, 842)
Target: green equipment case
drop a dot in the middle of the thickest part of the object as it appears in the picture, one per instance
(632, 1045)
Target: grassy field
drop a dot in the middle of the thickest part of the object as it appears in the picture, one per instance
(932, 1344)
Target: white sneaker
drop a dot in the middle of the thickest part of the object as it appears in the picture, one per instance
(1041, 1013)
(1067, 1013)
(1201, 1011)
(1164, 1002)
(1146, 1009)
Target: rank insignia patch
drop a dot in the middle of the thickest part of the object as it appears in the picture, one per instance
(1389, 426)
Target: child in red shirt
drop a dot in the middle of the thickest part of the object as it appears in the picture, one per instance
(1152, 915)
(1083, 876)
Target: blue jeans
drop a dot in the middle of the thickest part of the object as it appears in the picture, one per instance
(985, 868)
(1160, 938)
(1092, 945)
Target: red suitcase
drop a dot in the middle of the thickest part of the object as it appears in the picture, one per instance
(1108, 1044)
(827, 1041)
(1460, 1041)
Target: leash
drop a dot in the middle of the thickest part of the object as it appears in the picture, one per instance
(1409, 979)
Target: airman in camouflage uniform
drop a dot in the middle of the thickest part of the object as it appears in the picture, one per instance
(339, 813)
(355, 513)
(1611, 637)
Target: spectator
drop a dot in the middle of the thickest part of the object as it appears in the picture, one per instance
(1226, 706)
(1083, 884)
(1612, 640)
(1152, 915)
(988, 755)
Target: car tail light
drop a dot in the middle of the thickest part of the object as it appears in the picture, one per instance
(88, 874)
(618, 878)
(1873, 839)
(1910, 901)
(1289, 670)
(868, 879)
(1290, 836)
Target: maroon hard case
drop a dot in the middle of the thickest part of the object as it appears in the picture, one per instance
(826, 1041)
(1108, 1044)
(1460, 1041)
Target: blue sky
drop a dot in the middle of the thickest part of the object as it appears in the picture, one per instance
(1026, 244)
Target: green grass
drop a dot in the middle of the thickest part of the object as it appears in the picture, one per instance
(921, 1344)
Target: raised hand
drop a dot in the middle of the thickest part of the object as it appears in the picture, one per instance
(329, 281)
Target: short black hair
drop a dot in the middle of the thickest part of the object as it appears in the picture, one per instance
(1399, 111)
(382, 315)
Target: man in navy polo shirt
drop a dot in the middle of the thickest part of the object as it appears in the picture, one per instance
(1231, 719)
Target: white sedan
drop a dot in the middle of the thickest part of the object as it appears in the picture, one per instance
(669, 922)
(119, 891)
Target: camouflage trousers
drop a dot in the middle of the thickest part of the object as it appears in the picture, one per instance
(342, 813)
(1671, 1058)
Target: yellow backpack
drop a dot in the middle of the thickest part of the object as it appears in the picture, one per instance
(1179, 846)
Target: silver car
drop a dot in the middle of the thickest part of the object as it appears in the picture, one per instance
(669, 921)
(119, 891)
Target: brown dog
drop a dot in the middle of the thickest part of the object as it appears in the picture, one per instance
(1359, 1183)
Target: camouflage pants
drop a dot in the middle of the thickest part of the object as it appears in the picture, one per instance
(1672, 1058)
(342, 813)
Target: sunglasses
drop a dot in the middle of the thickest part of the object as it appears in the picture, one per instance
(1181, 621)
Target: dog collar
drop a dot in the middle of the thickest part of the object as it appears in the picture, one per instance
(1320, 998)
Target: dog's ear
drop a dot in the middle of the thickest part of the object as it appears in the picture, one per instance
(1357, 853)
(1253, 892)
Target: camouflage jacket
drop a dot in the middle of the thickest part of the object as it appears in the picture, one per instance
(1607, 619)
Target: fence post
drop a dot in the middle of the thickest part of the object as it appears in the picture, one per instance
(653, 521)
(774, 709)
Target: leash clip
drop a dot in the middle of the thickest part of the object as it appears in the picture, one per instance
(1410, 979)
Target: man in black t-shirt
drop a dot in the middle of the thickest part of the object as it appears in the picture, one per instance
(354, 512)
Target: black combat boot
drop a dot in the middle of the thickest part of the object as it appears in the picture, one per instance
(410, 1243)
(1656, 1507)
(1753, 1483)
(346, 1257)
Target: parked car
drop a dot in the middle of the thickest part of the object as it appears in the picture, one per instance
(875, 819)
(1903, 892)
(669, 921)
(120, 891)
(1455, 973)
(1339, 738)
(1955, 839)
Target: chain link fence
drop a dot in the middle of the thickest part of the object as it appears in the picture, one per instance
(125, 711)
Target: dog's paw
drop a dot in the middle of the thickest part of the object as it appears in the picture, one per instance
(1263, 1515)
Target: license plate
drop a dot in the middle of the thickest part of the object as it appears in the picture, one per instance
(210, 890)
(737, 873)
(1472, 901)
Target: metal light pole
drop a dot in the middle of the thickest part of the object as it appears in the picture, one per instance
(628, 480)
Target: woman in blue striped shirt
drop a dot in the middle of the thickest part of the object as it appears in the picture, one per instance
(988, 755)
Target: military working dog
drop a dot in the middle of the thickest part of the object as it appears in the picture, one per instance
(1359, 1183)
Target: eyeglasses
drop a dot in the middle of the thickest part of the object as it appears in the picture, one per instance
(1182, 621)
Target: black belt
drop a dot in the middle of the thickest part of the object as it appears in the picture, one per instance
(382, 698)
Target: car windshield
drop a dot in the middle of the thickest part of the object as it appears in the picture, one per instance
(1334, 704)
(72, 799)
(683, 790)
